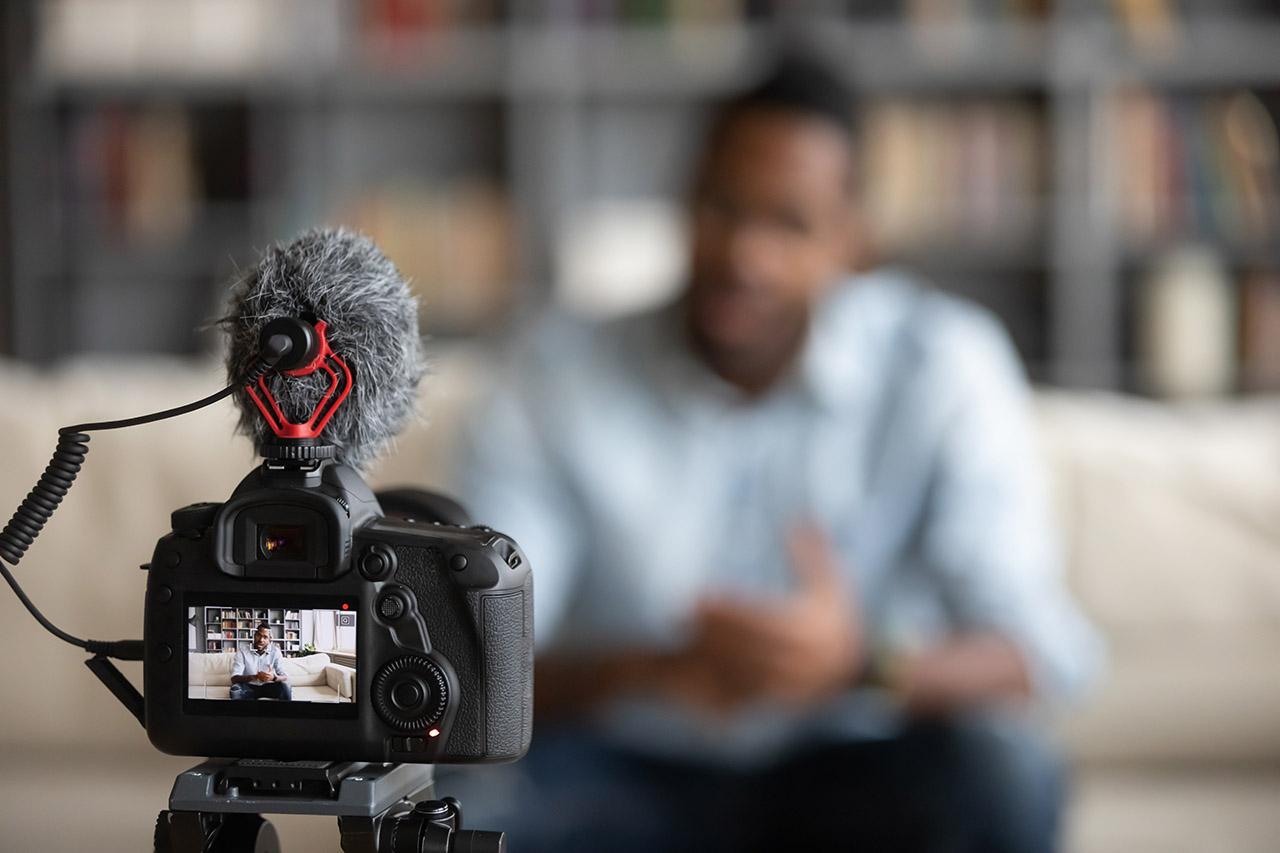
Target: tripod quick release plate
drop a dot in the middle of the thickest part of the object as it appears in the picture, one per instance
(340, 789)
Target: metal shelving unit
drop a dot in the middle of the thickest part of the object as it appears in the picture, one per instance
(228, 629)
(560, 116)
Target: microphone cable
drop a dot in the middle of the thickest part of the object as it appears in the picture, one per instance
(73, 446)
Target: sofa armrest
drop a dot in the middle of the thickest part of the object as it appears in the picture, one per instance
(340, 679)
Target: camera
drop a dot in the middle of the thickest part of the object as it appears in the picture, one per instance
(298, 620)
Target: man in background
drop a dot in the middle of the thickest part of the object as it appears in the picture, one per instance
(258, 672)
(796, 586)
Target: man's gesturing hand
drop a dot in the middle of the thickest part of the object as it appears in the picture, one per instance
(798, 649)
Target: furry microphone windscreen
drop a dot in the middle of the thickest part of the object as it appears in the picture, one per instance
(342, 278)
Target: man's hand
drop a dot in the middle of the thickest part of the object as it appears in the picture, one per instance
(961, 672)
(266, 675)
(799, 649)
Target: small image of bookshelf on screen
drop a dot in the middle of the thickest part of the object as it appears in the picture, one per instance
(316, 648)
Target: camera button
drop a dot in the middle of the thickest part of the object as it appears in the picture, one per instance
(416, 744)
(406, 695)
(458, 562)
(377, 561)
(391, 606)
(163, 594)
(163, 652)
(172, 559)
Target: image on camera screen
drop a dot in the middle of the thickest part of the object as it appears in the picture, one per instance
(281, 654)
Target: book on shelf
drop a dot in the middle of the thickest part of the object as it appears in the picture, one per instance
(1260, 330)
(1203, 166)
(136, 169)
(454, 244)
(953, 173)
(1186, 325)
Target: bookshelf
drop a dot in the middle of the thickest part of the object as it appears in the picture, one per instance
(1005, 157)
(228, 629)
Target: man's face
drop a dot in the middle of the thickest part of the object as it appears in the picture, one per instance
(771, 227)
(261, 638)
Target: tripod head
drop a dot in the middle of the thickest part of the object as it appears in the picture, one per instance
(216, 807)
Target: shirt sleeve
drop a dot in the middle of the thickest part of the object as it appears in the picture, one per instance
(513, 478)
(238, 667)
(988, 534)
(277, 661)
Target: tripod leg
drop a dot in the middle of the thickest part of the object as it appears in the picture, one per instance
(359, 834)
(245, 833)
(163, 837)
(208, 832)
(185, 832)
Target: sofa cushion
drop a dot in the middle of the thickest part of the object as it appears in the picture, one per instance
(206, 669)
(307, 671)
(311, 679)
(215, 669)
(317, 694)
(1169, 512)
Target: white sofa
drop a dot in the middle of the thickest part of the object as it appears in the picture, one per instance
(1171, 516)
(311, 679)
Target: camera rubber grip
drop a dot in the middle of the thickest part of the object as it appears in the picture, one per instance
(508, 687)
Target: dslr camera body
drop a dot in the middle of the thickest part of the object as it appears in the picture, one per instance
(429, 627)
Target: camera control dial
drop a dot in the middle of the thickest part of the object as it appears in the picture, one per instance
(195, 519)
(410, 693)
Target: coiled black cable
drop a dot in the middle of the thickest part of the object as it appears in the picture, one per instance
(73, 445)
(29, 519)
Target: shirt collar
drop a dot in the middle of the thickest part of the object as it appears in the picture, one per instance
(831, 371)
(836, 368)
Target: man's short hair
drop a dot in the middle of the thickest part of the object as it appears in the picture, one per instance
(263, 626)
(798, 83)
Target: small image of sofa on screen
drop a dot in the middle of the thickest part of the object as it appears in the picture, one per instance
(271, 654)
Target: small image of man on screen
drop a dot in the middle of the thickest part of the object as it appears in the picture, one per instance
(258, 673)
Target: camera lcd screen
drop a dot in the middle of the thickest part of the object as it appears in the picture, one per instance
(247, 654)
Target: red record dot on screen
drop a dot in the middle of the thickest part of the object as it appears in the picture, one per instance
(344, 607)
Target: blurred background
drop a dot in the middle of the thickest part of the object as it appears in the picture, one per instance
(1065, 163)
(1104, 175)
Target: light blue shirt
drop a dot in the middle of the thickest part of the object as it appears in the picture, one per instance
(249, 662)
(637, 482)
